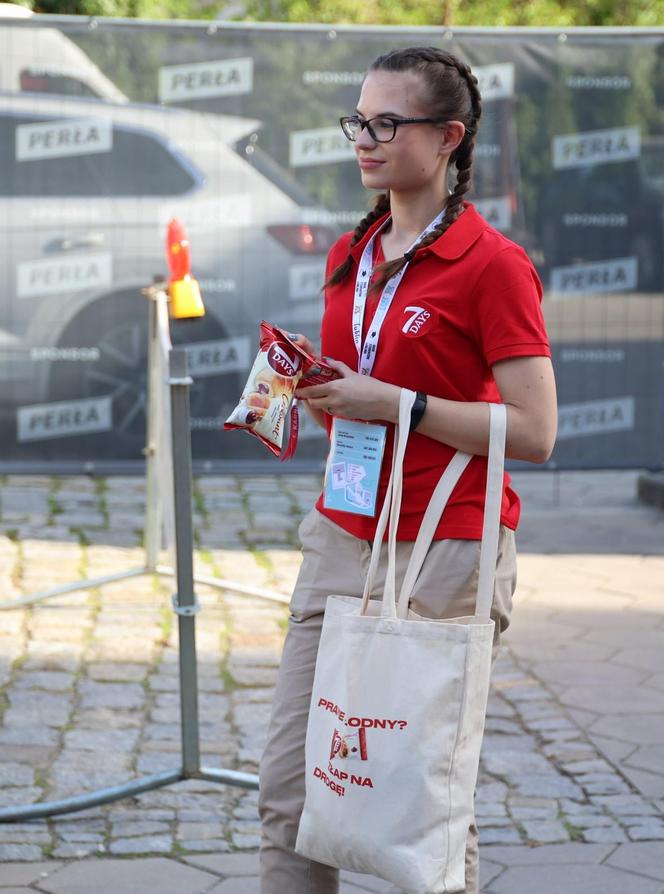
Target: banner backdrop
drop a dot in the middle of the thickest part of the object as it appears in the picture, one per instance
(110, 128)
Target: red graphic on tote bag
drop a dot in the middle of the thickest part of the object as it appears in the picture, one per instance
(349, 746)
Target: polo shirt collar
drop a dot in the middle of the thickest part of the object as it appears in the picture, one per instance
(454, 242)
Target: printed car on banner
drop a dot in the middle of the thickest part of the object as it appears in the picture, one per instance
(108, 130)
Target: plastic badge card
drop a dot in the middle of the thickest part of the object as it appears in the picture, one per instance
(353, 466)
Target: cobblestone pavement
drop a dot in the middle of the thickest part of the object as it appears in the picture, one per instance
(573, 759)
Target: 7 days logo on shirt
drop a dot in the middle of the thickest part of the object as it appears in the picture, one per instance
(417, 321)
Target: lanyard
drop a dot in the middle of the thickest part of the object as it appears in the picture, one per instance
(366, 352)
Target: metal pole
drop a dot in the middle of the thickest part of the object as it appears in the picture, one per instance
(184, 600)
(90, 799)
(152, 524)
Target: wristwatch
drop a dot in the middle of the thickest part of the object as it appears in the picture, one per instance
(417, 410)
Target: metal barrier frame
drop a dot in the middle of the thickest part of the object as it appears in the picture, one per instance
(185, 604)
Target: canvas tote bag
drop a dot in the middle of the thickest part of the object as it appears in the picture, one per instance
(398, 707)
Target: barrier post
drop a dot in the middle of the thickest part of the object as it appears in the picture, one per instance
(185, 603)
(153, 515)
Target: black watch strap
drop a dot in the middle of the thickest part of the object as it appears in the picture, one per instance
(417, 410)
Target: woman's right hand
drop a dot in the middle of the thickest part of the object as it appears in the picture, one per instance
(303, 342)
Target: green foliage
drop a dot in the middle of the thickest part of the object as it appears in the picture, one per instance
(494, 13)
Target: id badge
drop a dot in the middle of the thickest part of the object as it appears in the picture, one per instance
(353, 466)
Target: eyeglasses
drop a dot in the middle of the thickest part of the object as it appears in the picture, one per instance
(381, 129)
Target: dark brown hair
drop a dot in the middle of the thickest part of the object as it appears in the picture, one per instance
(452, 94)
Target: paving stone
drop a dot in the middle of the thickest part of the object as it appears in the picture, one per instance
(497, 835)
(245, 885)
(625, 805)
(545, 831)
(245, 842)
(16, 774)
(78, 849)
(591, 820)
(508, 763)
(52, 681)
(140, 876)
(582, 767)
(644, 859)
(150, 844)
(110, 695)
(21, 795)
(23, 833)
(551, 786)
(600, 834)
(18, 890)
(491, 791)
(115, 671)
(193, 831)
(642, 728)
(26, 874)
(574, 879)
(101, 741)
(135, 828)
(486, 809)
(10, 852)
(649, 830)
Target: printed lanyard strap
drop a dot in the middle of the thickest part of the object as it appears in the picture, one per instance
(367, 353)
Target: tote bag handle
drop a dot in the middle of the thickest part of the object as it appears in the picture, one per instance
(491, 524)
(448, 481)
(391, 510)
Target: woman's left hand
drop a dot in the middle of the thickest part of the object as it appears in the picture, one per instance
(353, 396)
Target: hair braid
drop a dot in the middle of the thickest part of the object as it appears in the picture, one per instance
(381, 207)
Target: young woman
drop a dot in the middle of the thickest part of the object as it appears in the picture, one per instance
(453, 313)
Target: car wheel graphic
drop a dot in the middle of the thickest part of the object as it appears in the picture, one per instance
(117, 325)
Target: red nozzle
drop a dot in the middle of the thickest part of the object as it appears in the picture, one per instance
(177, 251)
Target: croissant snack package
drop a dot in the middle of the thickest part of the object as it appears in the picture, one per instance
(281, 365)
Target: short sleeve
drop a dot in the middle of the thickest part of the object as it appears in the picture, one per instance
(508, 302)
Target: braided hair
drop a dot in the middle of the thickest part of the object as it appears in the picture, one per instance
(452, 93)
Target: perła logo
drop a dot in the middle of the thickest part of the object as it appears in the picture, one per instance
(580, 150)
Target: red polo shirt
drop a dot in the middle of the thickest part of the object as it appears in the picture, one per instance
(467, 301)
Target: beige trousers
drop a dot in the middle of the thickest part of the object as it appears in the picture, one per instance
(336, 562)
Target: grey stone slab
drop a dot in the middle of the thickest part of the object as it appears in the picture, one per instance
(78, 849)
(101, 741)
(507, 763)
(226, 864)
(649, 758)
(138, 876)
(136, 828)
(28, 852)
(12, 773)
(648, 830)
(149, 844)
(500, 835)
(551, 786)
(604, 833)
(644, 859)
(53, 681)
(27, 873)
(24, 833)
(111, 695)
(245, 842)
(547, 854)
(624, 805)
(114, 671)
(545, 831)
(245, 885)
(204, 845)
(574, 879)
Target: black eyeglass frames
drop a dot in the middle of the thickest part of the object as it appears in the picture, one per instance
(382, 129)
